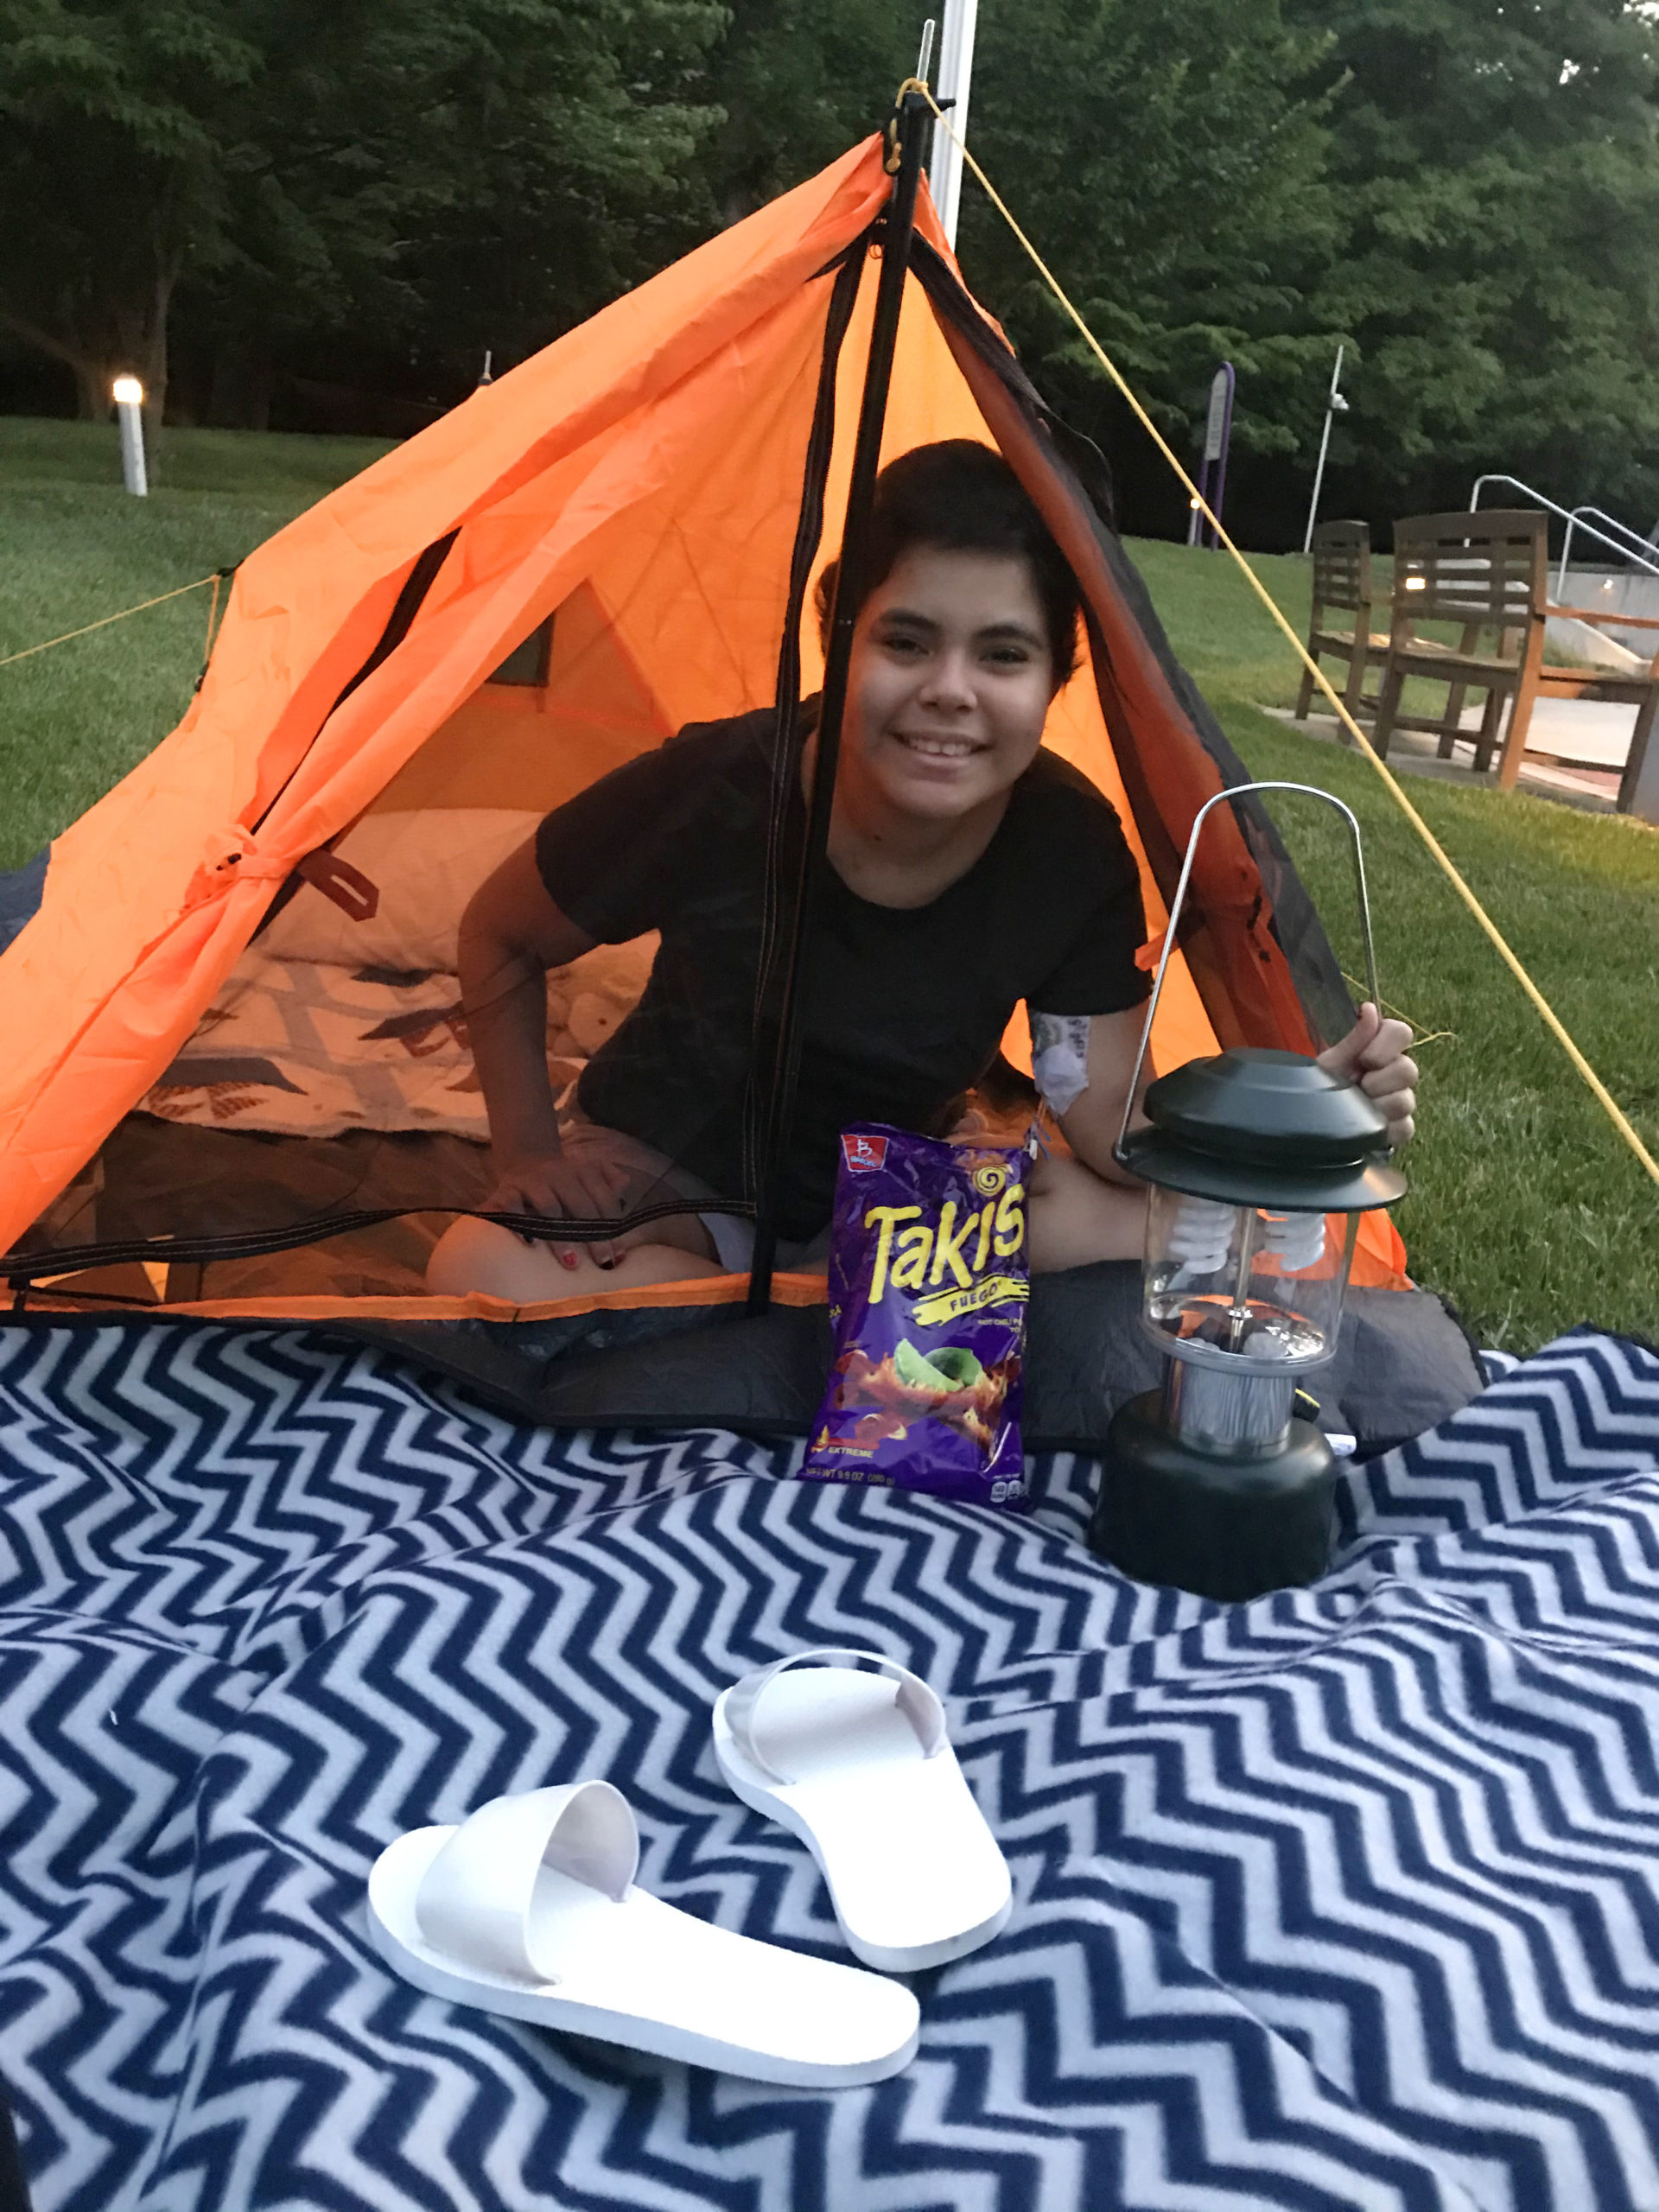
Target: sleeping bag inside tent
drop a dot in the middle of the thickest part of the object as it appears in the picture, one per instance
(238, 1078)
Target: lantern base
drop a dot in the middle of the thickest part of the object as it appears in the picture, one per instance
(1219, 1527)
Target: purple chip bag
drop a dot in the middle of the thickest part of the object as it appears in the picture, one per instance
(928, 1286)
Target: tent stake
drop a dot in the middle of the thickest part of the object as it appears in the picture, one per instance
(910, 125)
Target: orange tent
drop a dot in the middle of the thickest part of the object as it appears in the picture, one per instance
(624, 520)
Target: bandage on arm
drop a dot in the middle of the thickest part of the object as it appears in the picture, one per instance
(1059, 1058)
(1082, 1065)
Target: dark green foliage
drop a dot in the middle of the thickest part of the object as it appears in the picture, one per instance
(494, 168)
(506, 165)
(1498, 170)
(799, 83)
(1169, 160)
(371, 192)
(113, 174)
(1463, 191)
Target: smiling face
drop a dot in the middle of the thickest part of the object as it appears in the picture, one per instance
(951, 682)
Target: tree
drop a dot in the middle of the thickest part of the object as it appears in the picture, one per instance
(1463, 191)
(303, 163)
(110, 175)
(460, 173)
(1170, 156)
(1498, 173)
(798, 83)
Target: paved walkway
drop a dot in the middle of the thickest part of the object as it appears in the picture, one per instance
(1575, 751)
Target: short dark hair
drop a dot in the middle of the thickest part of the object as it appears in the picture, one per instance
(964, 498)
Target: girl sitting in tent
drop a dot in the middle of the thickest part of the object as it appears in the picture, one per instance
(969, 869)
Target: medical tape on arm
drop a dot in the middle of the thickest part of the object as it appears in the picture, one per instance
(1059, 1058)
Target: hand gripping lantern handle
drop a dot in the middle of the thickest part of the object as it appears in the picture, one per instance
(1238, 791)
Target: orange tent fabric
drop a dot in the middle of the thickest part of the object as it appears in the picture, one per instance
(647, 467)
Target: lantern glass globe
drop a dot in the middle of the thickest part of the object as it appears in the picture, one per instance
(1240, 1282)
(128, 392)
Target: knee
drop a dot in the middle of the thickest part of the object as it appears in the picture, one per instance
(1078, 1217)
(480, 1256)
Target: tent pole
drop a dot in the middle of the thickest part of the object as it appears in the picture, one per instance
(907, 134)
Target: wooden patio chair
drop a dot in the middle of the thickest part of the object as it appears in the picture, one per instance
(1484, 575)
(1638, 789)
(1342, 581)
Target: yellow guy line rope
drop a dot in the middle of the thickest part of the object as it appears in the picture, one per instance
(1547, 1012)
(104, 620)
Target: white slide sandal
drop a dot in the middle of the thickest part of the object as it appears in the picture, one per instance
(859, 1767)
(528, 1909)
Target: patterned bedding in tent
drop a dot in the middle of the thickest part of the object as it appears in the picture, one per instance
(1349, 1897)
(311, 1048)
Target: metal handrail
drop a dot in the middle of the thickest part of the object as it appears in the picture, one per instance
(1644, 545)
(1566, 515)
(1641, 558)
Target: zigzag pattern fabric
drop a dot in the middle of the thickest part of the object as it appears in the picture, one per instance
(1346, 1899)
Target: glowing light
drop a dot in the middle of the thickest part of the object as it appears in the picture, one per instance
(1416, 583)
(1194, 503)
(128, 392)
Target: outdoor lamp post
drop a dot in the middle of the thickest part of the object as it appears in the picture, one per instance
(1334, 405)
(129, 397)
(1259, 1164)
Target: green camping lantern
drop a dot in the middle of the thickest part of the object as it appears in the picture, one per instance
(1259, 1165)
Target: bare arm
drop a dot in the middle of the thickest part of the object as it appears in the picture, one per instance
(1086, 1208)
(1092, 1121)
(510, 934)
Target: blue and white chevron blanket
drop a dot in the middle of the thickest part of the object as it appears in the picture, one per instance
(1349, 1897)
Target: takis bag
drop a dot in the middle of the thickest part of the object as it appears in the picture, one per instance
(928, 1286)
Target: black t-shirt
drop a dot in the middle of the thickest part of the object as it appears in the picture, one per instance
(904, 1008)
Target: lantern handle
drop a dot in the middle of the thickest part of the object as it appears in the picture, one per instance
(1238, 791)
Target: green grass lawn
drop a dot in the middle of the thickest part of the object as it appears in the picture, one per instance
(73, 547)
(1525, 1208)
